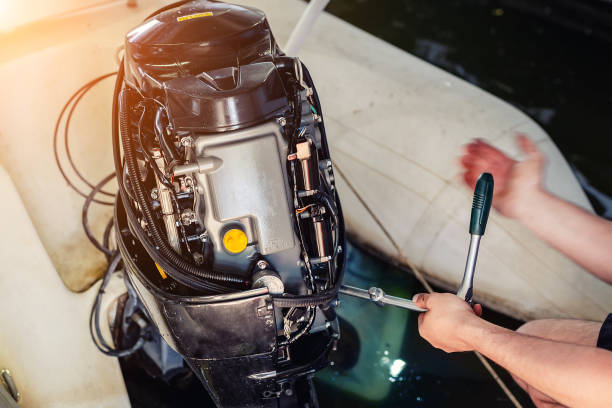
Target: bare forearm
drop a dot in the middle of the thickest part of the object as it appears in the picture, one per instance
(577, 376)
(584, 237)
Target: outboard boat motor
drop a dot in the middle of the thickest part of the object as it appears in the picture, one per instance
(228, 219)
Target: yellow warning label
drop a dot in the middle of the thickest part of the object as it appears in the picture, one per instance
(192, 16)
(161, 271)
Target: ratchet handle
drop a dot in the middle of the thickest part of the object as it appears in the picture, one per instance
(379, 297)
(483, 197)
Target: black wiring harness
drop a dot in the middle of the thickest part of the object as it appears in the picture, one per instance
(159, 250)
(172, 263)
(94, 319)
(324, 297)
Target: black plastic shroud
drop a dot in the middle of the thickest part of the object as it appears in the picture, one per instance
(210, 63)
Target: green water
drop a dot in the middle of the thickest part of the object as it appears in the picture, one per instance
(382, 361)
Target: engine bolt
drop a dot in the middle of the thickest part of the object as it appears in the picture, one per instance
(154, 194)
(262, 264)
(198, 258)
(187, 217)
(187, 141)
(282, 121)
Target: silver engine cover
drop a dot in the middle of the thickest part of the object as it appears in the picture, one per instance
(246, 187)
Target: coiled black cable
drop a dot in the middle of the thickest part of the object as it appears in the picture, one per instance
(76, 97)
(90, 198)
(72, 103)
(94, 318)
(67, 128)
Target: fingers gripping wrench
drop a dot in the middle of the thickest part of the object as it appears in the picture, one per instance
(483, 196)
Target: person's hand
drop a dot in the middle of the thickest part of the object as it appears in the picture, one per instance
(447, 321)
(515, 182)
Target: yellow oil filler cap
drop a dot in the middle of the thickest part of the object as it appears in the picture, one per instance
(235, 240)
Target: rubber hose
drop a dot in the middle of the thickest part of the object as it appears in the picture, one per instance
(145, 206)
(126, 197)
(135, 176)
(307, 300)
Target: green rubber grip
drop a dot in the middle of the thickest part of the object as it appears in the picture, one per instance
(483, 196)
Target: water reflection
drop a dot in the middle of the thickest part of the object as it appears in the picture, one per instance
(396, 368)
(382, 362)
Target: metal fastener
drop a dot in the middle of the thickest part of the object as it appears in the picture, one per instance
(187, 141)
(198, 258)
(188, 217)
(7, 379)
